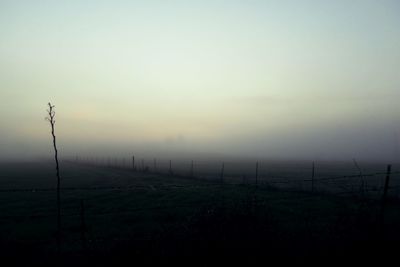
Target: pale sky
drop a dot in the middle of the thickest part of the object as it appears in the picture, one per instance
(263, 78)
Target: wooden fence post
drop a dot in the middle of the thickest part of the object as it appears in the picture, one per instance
(222, 172)
(83, 225)
(362, 185)
(133, 163)
(170, 167)
(384, 196)
(257, 173)
(312, 176)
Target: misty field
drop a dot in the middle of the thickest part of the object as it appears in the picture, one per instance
(111, 214)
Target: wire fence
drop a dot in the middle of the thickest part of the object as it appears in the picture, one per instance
(296, 176)
(306, 176)
(299, 182)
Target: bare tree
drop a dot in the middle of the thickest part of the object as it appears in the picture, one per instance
(51, 118)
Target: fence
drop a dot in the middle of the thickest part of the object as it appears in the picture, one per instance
(347, 178)
(82, 205)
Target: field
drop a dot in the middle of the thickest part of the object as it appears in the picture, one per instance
(113, 214)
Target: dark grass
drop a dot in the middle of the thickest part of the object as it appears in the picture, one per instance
(154, 219)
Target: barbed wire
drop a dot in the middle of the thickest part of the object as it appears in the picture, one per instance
(149, 186)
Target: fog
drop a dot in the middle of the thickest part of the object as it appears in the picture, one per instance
(361, 140)
(279, 80)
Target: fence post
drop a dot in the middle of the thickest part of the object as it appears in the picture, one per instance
(83, 225)
(312, 176)
(257, 173)
(384, 196)
(133, 163)
(170, 167)
(362, 185)
(222, 172)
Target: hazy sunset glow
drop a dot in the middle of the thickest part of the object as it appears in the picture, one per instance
(266, 78)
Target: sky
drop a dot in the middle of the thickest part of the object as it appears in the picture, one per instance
(272, 79)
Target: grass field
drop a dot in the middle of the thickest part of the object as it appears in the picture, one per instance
(156, 218)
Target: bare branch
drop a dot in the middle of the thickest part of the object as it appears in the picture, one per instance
(51, 115)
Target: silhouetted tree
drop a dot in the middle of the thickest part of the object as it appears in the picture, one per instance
(51, 118)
